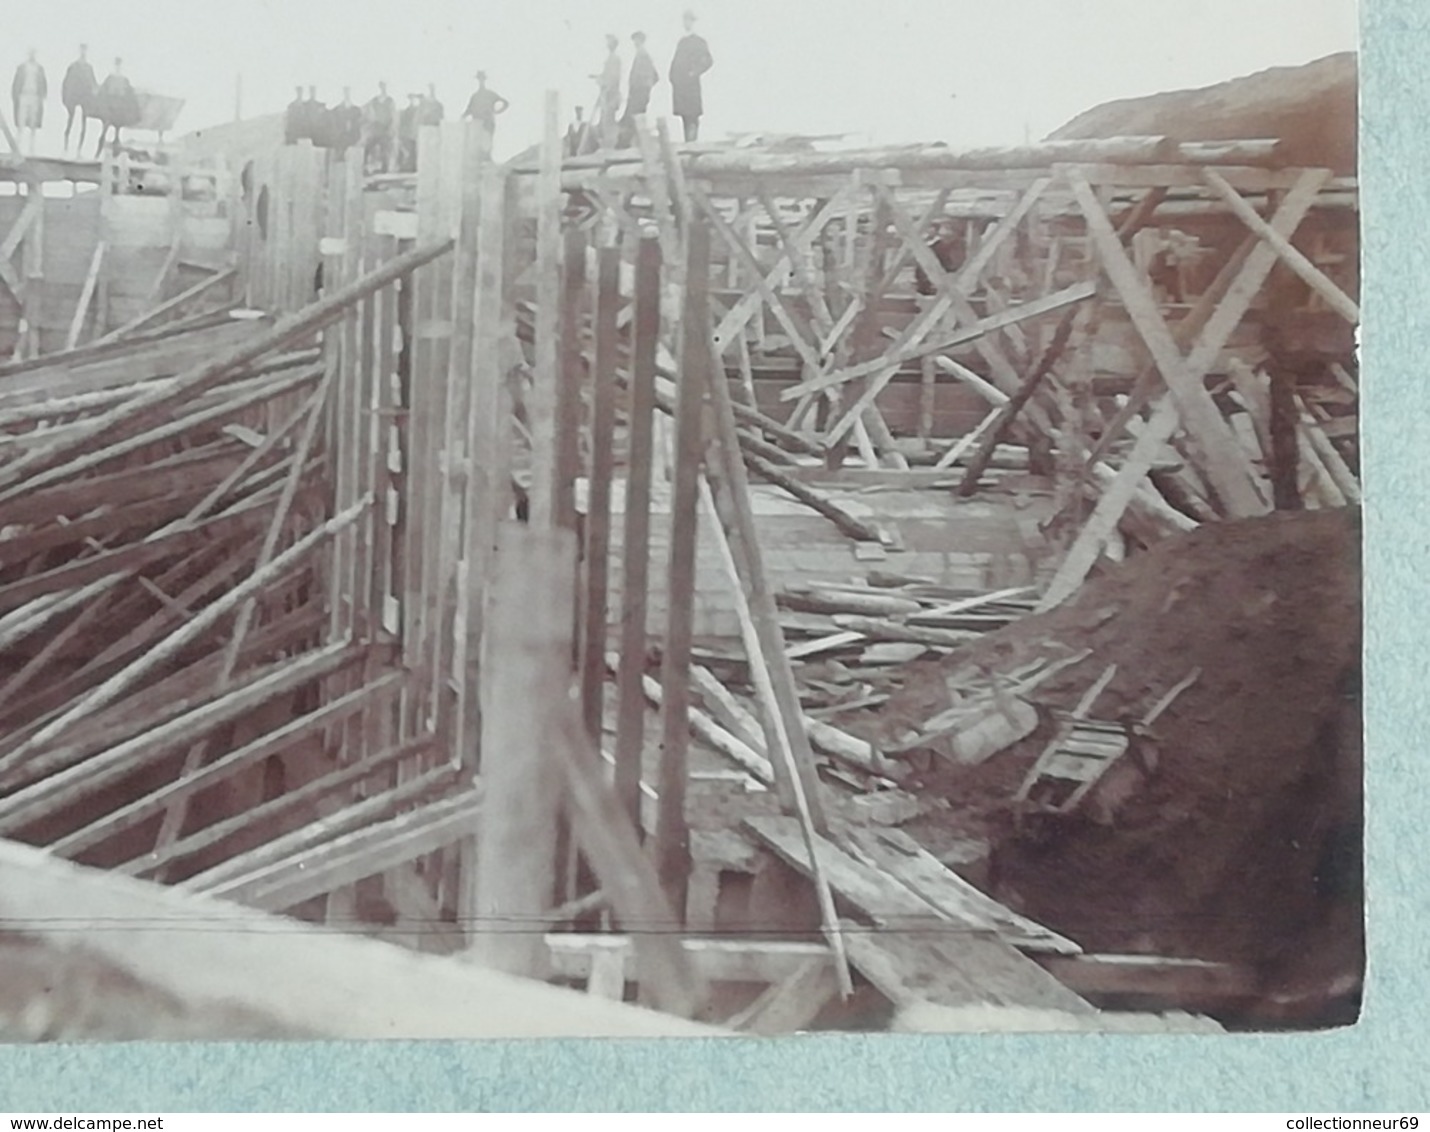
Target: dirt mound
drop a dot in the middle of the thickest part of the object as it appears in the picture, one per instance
(1240, 844)
(1311, 108)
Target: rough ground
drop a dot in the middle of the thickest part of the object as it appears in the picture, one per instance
(1243, 844)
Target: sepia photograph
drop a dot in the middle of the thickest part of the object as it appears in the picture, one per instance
(637, 520)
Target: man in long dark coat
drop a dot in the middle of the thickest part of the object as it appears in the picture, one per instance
(77, 92)
(691, 60)
(344, 123)
(295, 118)
(118, 106)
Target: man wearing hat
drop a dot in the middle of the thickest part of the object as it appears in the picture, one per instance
(485, 105)
(691, 60)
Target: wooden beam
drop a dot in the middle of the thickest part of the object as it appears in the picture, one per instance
(627, 876)
(86, 294)
(596, 552)
(116, 684)
(52, 794)
(20, 475)
(672, 848)
(543, 407)
(282, 807)
(526, 660)
(1217, 453)
(310, 973)
(635, 542)
(1292, 256)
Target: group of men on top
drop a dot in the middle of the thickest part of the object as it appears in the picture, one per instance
(113, 102)
(387, 134)
(609, 125)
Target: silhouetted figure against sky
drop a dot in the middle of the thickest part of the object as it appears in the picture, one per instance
(408, 122)
(315, 117)
(433, 112)
(643, 80)
(691, 60)
(293, 118)
(579, 138)
(77, 93)
(344, 123)
(27, 98)
(608, 93)
(485, 105)
(380, 130)
(117, 106)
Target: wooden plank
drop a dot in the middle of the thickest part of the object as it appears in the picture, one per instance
(715, 960)
(919, 968)
(526, 649)
(1216, 452)
(310, 972)
(635, 541)
(572, 379)
(918, 956)
(672, 847)
(28, 473)
(275, 812)
(542, 407)
(628, 877)
(196, 779)
(56, 792)
(790, 1005)
(473, 142)
(194, 629)
(365, 852)
(898, 855)
(604, 393)
(1292, 256)
(86, 295)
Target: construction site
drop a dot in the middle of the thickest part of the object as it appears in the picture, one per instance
(693, 589)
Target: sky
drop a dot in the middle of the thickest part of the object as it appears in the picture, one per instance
(895, 71)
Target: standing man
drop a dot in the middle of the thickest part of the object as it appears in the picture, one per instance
(608, 94)
(295, 118)
(77, 93)
(691, 60)
(485, 105)
(344, 123)
(315, 115)
(407, 122)
(27, 95)
(380, 130)
(433, 112)
(118, 106)
(643, 80)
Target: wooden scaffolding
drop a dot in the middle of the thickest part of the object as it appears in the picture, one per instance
(384, 557)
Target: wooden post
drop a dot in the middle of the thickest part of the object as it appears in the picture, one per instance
(672, 834)
(635, 543)
(598, 505)
(572, 377)
(526, 681)
(542, 412)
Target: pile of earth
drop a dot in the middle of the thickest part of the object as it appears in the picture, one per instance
(1241, 844)
(1311, 108)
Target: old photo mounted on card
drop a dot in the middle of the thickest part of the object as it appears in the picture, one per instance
(626, 520)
